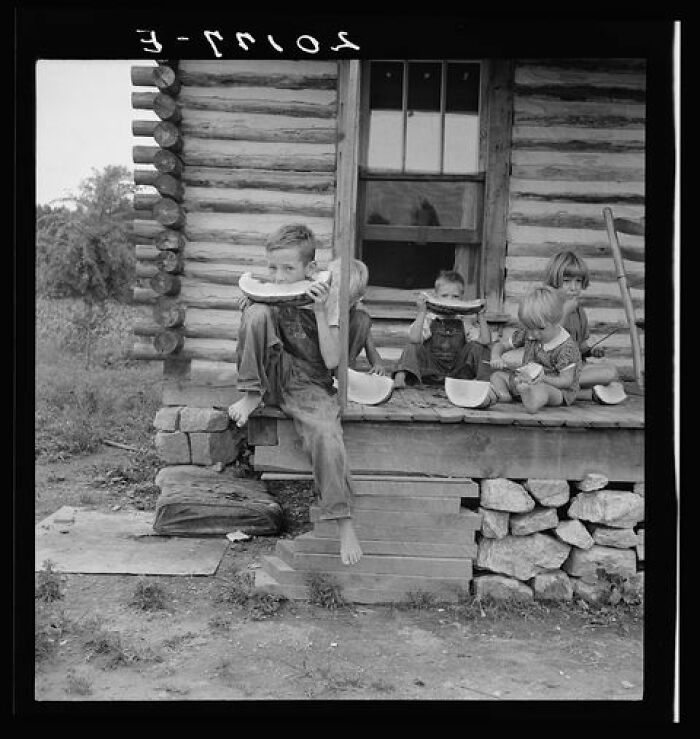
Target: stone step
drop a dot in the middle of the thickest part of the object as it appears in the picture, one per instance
(381, 564)
(400, 584)
(396, 503)
(460, 533)
(267, 583)
(309, 543)
(403, 519)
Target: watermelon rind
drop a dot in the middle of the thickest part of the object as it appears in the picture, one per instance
(272, 293)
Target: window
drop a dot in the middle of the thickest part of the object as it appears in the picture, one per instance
(421, 179)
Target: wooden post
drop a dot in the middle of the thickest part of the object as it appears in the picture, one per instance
(500, 123)
(346, 200)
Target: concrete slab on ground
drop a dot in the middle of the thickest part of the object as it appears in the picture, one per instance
(120, 542)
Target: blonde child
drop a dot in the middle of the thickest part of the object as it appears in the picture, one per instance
(285, 357)
(568, 273)
(360, 329)
(546, 342)
(444, 346)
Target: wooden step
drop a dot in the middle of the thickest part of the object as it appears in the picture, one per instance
(348, 578)
(267, 583)
(419, 487)
(397, 503)
(400, 518)
(380, 564)
(310, 543)
(459, 534)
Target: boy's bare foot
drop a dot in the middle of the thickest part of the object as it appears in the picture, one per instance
(242, 408)
(531, 397)
(400, 380)
(350, 551)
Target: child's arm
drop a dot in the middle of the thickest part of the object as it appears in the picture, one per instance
(564, 379)
(373, 357)
(415, 330)
(496, 351)
(328, 336)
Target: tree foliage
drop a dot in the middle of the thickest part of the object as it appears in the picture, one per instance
(85, 251)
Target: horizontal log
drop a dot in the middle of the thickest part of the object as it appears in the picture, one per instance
(578, 113)
(167, 313)
(170, 186)
(169, 213)
(143, 154)
(168, 342)
(222, 274)
(145, 270)
(607, 161)
(577, 191)
(165, 284)
(259, 178)
(565, 237)
(635, 279)
(239, 200)
(599, 294)
(144, 296)
(613, 93)
(170, 261)
(143, 128)
(520, 207)
(592, 173)
(536, 76)
(197, 294)
(197, 396)
(602, 267)
(305, 103)
(143, 100)
(254, 228)
(168, 136)
(167, 108)
(206, 373)
(144, 201)
(255, 127)
(216, 350)
(142, 76)
(288, 75)
(167, 79)
(550, 248)
(167, 162)
(593, 65)
(145, 177)
(570, 138)
(199, 324)
(259, 155)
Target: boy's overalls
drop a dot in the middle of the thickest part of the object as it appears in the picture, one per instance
(445, 353)
(280, 358)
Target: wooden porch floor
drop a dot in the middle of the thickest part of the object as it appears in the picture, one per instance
(419, 432)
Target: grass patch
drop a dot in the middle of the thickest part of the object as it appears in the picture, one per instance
(50, 626)
(324, 591)
(49, 584)
(110, 650)
(78, 684)
(241, 592)
(149, 596)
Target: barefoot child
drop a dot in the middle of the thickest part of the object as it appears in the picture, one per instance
(546, 342)
(444, 346)
(285, 357)
(569, 273)
(360, 329)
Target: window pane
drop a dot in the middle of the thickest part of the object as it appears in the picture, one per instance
(406, 203)
(422, 142)
(461, 143)
(462, 93)
(386, 85)
(406, 266)
(424, 86)
(385, 140)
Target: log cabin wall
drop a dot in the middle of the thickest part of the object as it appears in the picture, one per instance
(577, 146)
(257, 145)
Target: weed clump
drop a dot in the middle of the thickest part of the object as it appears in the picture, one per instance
(324, 591)
(49, 583)
(242, 593)
(50, 626)
(149, 596)
(77, 684)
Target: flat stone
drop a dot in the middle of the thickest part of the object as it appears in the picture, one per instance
(501, 494)
(592, 481)
(167, 418)
(572, 531)
(540, 519)
(499, 587)
(173, 447)
(494, 524)
(553, 586)
(521, 557)
(217, 446)
(585, 562)
(551, 493)
(618, 508)
(613, 537)
(203, 419)
(640, 545)
(638, 488)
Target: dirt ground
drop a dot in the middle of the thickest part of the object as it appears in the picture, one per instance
(202, 647)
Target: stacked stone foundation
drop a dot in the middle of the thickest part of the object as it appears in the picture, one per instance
(559, 539)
